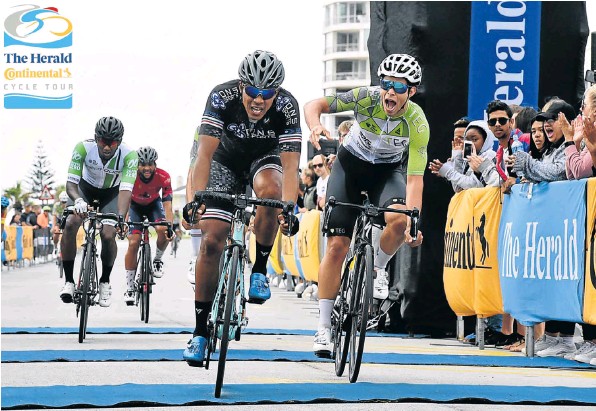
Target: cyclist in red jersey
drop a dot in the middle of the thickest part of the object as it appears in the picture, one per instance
(147, 201)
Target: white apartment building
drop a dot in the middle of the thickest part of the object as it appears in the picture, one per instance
(346, 64)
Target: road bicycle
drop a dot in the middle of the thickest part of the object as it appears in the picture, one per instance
(349, 320)
(86, 291)
(144, 278)
(228, 313)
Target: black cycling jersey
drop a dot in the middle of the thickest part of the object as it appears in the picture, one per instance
(241, 140)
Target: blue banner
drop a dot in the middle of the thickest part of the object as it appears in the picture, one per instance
(504, 54)
(542, 251)
(19, 245)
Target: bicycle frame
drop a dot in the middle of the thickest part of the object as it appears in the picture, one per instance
(228, 312)
(144, 266)
(87, 287)
(355, 294)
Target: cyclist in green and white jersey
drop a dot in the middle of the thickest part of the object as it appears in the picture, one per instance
(384, 154)
(102, 170)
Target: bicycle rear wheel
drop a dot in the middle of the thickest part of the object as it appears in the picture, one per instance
(341, 322)
(145, 283)
(362, 299)
(230, 296)
(84, 282)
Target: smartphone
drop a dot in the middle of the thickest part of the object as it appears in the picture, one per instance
(590, 76)
(467, 148)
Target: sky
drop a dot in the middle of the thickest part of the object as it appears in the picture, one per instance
(153, 68)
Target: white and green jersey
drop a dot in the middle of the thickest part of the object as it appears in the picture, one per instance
(377, 138)
(120, 170)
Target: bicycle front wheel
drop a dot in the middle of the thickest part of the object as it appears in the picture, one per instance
(145, 283)
(341, 321)
(230, 297)
(84, 282)
(362, 299)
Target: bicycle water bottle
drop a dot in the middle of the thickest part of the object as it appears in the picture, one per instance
(517, 147)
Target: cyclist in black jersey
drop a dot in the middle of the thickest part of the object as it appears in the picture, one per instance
(250, 131)
(384, 149)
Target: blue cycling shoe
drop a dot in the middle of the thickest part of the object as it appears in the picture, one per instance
(259, 291)
(194, 354)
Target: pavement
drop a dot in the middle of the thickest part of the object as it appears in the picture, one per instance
(126, 363)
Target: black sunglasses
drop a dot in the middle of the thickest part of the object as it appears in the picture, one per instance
(502, 121)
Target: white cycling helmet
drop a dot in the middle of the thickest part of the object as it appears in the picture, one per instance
(63, 197)
(401, 66)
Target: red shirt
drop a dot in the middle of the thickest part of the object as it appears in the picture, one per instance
(146, 193)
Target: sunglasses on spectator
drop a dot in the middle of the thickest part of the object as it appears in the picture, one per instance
(501, 120)
(254, 92)
(400, 88)
(317, 165)
(105, 142)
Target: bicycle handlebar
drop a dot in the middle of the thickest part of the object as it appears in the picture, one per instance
(242, 201)
(371, 210)
(151, 223)
(91, 215)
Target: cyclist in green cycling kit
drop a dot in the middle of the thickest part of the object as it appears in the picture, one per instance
(384, 154)
(102, 170)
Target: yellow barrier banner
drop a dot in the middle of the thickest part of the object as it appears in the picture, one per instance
(589, 313)
(458, 263)
(10, 243)
(309, 240)
(274, 263)
(487, 285)
(80, 237)
(27, 243)
(287, 255)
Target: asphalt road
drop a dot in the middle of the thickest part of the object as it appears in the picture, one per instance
(126, 363)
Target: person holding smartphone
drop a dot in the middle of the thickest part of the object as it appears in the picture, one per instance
(472, 162)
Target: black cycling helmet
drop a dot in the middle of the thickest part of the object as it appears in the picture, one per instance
(262, 69)
(109, 128)
(147, 155)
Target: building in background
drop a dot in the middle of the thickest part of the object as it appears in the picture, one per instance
(345, 58)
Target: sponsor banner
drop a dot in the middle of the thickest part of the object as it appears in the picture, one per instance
(309, 240)
(504, 54)
(10, 243)
(37, 58)
(458, 263)
(590, 275)
(28, 248)
(274, 264)
(487, 286)
(541, 251)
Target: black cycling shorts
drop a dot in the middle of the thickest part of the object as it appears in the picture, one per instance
(350, 176)
(106, 198)
(223, 179)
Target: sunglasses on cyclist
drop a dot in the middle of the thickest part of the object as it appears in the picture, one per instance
(400, 88)
(501, 120)
(254, 92)
(102, 142)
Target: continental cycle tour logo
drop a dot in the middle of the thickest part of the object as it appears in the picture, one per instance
(38, 58)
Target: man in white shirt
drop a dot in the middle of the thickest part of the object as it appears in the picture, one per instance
(319, 163)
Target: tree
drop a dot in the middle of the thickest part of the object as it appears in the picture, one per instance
(41, 173)
(17, 193)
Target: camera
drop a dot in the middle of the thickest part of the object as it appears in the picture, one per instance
(467, 148)
(590, 76)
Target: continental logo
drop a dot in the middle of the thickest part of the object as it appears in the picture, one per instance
(461, 246)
